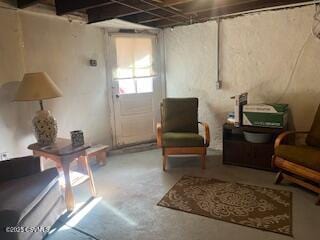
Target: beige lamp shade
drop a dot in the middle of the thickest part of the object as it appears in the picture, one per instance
(37, 86)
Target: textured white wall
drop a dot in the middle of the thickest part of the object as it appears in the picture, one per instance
(15, 120)
(31, 42)
(191, 68)
(258, 55)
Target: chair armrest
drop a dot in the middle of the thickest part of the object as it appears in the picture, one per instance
(159, 135)
(19, 167)
(284, 135)
(207, 133)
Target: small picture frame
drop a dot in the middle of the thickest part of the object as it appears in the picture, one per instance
(77, 138)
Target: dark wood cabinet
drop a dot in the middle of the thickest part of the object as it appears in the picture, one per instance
(238, 151)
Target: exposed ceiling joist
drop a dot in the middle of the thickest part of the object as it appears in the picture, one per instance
(162, 7)
(174, 2)
(204, 14)
(207, 14)
(122, 9)
(161, 13)
(68, 6)
(26, 3)
(142, 18)
(117, 10)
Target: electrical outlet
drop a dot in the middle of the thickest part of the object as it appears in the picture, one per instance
(218, 85)
(4, 156)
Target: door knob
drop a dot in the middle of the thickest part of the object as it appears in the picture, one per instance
(117, 95)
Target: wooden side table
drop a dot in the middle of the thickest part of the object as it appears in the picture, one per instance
(100, 152)
(63, 153)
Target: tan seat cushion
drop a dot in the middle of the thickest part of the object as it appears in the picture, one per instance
(302, 155)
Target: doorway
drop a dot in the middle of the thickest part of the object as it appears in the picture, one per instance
(136, 87)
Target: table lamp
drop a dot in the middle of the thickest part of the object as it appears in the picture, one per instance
(38, 87)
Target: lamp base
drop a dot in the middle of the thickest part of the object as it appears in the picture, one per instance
(45, 128)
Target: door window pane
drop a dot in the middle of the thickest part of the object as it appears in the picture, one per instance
(134, 66)
(144, 85)
(127, 86)
(134, 56)
(124, 73)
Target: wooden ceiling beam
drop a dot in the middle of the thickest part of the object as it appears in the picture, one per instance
(26, 3)
(68, 6)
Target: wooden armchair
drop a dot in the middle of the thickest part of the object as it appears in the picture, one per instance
(178, 133)
(300, 164)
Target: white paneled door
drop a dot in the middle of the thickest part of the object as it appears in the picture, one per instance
(136, 87)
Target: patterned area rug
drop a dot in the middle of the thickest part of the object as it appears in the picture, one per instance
(258, 207)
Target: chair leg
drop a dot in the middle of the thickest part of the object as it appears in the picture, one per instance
(165, 159)
(203, 161)
(101, 157)
(279, 178)
(318, 201)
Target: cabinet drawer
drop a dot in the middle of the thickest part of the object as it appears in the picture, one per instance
(262, 155)
(236, 152)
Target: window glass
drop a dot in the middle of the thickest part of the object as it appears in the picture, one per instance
(144, 85)
(127, 86)
(134, 64)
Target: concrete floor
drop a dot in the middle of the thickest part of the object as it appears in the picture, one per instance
(130, 186)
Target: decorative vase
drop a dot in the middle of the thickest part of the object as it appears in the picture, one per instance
(77, 138)
(45, 128)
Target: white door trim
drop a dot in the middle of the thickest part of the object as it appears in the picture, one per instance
(109, 67)
(109, 84)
